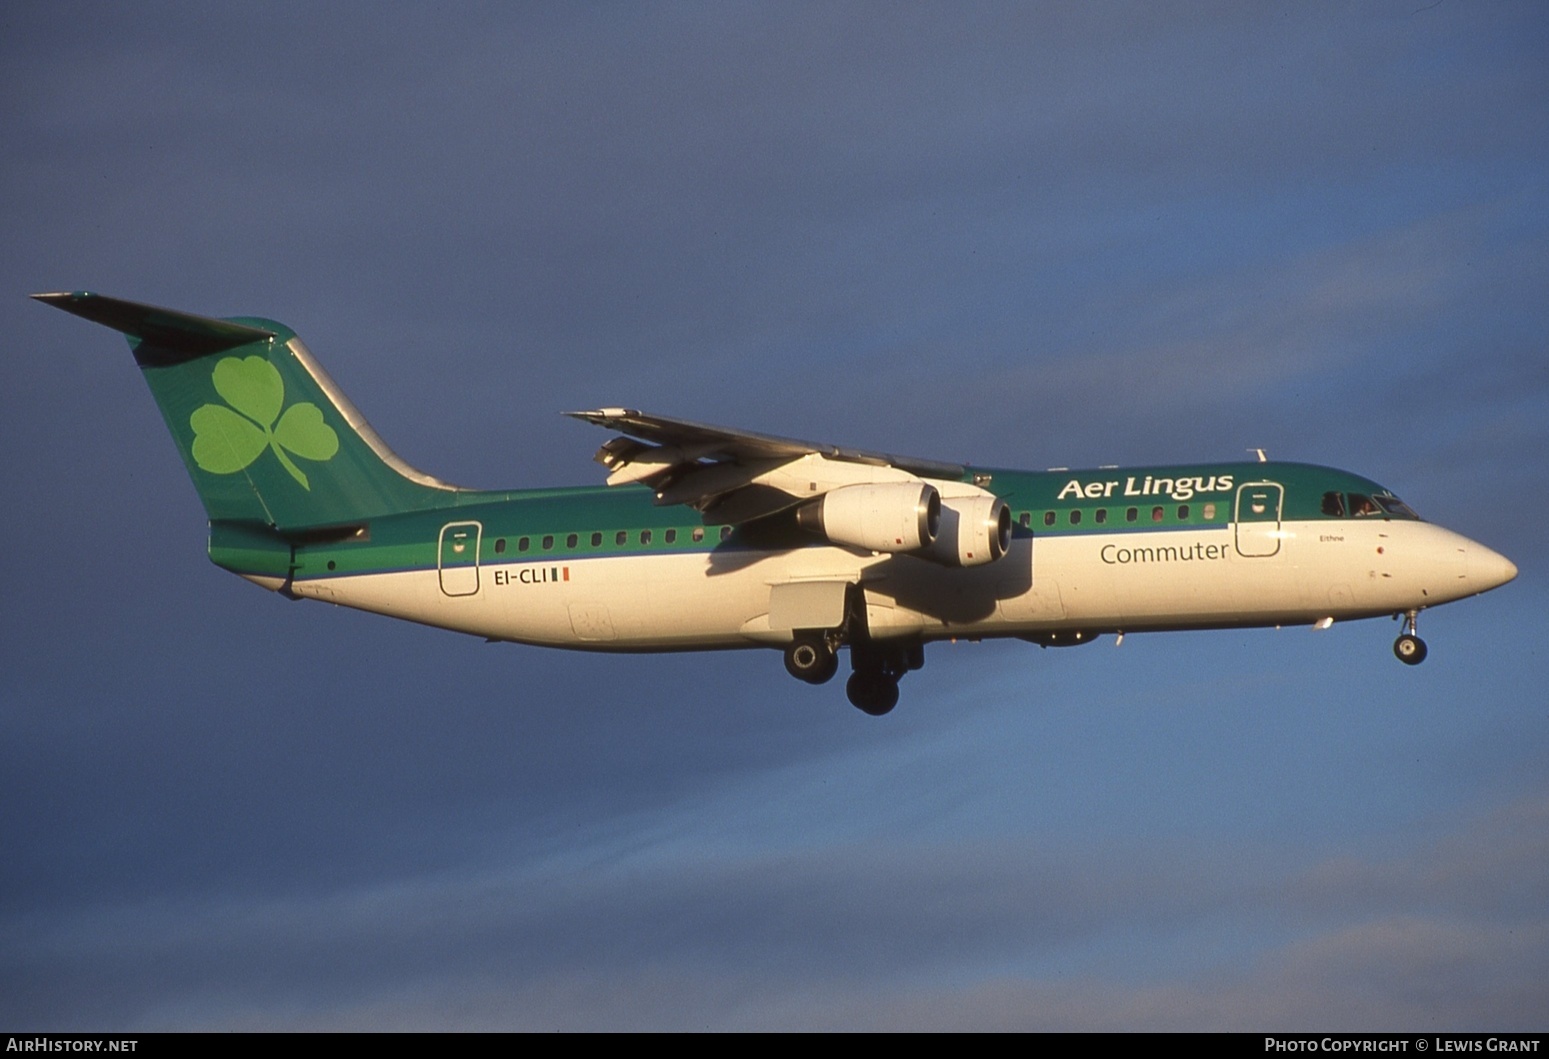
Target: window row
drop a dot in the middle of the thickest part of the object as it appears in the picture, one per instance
(620, 539)
(1100, 516)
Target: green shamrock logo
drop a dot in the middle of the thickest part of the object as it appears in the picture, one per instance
(227, 441)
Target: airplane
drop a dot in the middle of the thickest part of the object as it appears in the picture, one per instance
(708, 538)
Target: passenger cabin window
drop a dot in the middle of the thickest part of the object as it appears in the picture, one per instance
(670, 536)
(548, 541)
(571, 541)
(500, 546)
(1027, 519)
(1048, 518)
(597, 540)
(698, 534)
(1156, 514)
(725, 532)
(1075, 517)
(1132, 514)
(523, 544)
(621, 537)
(1210, 512)
(1102, 515)
(1183, 512)
(645, 536)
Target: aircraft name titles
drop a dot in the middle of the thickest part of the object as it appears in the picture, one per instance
(1114, 555)
(1176, 488)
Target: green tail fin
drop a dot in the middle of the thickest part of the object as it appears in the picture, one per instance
(265, 434)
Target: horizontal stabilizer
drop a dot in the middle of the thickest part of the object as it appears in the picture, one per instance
(176, 336)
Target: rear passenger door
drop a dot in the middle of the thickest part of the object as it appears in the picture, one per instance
(457, 558)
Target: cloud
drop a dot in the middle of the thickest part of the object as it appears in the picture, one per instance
(1445, 933)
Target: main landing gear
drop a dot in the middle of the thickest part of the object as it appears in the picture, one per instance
(811, 658)
(1409, 648)
(872, 692)
(873, 687)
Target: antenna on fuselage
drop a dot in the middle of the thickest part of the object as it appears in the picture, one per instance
(1262, 458)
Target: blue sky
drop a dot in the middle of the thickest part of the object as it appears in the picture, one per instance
(1016, 235)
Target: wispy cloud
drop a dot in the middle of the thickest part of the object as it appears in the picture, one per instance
(1449, 932)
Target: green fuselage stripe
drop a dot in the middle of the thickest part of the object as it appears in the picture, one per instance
(1043, 504)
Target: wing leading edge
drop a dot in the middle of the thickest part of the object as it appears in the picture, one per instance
(734, 476)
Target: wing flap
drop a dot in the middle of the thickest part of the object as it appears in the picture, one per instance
(705, 440)
(735, 476)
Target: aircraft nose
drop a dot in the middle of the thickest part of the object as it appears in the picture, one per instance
(1488, 569)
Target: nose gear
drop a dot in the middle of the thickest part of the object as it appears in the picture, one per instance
(1409, 648)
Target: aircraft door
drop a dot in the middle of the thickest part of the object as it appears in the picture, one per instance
(1258, 518)
(458, 558)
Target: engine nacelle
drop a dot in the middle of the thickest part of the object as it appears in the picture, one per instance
(974, 530)
(882, 517)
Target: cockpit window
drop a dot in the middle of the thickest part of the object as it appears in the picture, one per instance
(1359, 505)
(1396, 507)
(1362, 505)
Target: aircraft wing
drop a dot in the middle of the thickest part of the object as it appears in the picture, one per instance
(733, 476)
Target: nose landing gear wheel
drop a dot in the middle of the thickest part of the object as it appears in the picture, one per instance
(1410, 649)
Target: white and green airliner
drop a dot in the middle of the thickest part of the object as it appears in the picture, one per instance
(707, 538)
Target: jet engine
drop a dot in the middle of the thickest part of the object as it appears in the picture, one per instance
(974, 530)
(881, 517)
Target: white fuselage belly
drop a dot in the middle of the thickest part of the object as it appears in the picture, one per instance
(1175, 579)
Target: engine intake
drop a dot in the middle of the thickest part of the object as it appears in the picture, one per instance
(974, 530)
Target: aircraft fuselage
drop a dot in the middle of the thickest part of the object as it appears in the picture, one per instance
(603, 569)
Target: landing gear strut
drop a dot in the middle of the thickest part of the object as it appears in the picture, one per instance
(1409, 648)
(812, 656)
